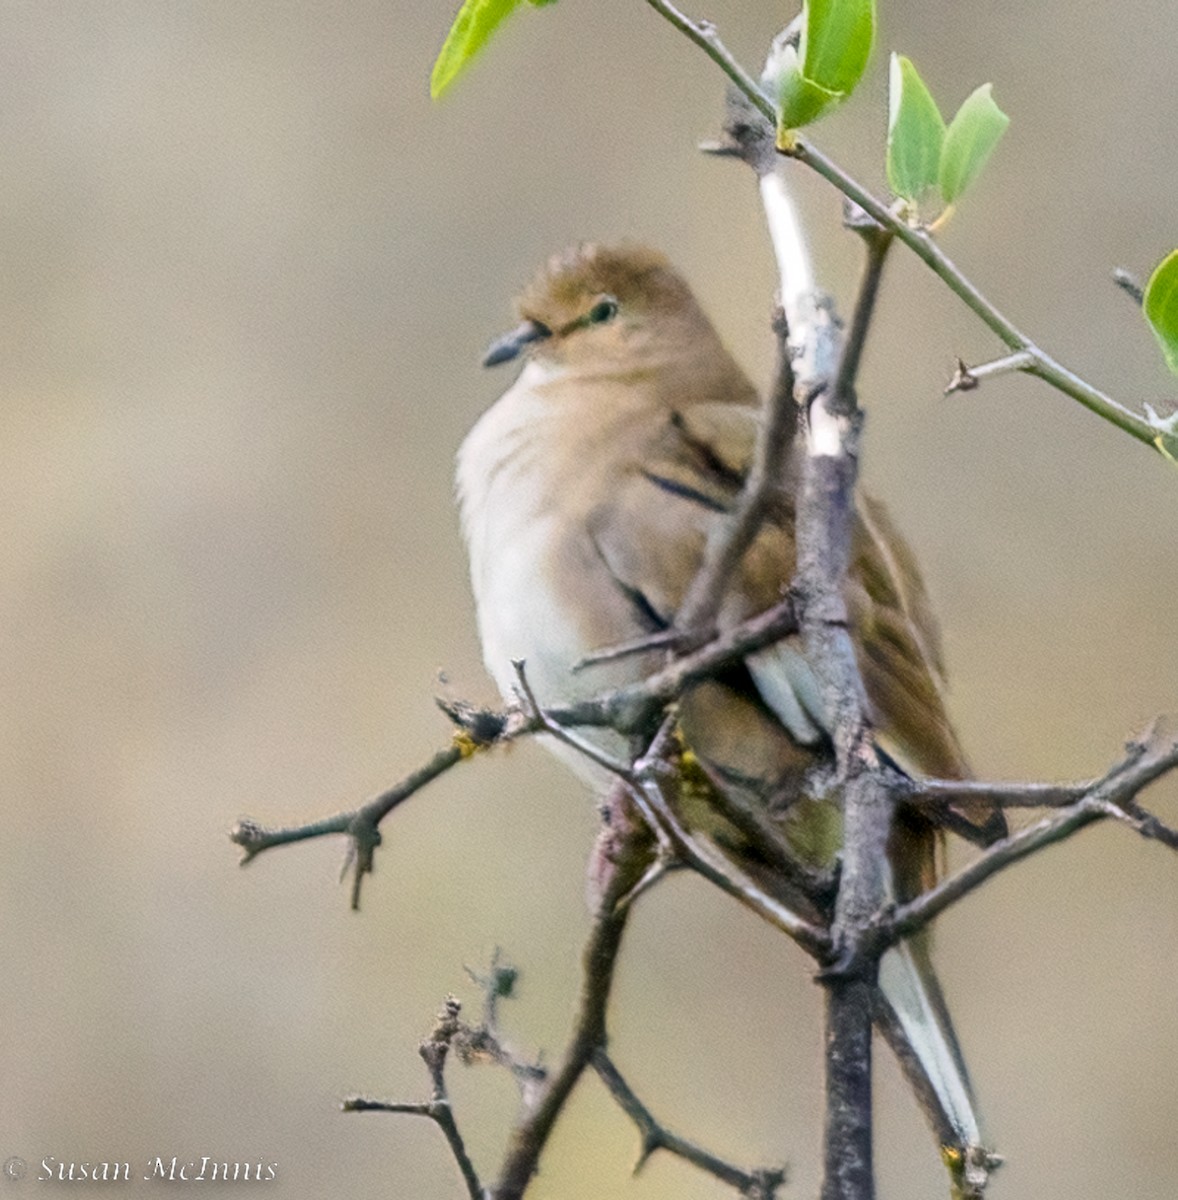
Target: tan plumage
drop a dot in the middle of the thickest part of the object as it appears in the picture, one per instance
(587, 493)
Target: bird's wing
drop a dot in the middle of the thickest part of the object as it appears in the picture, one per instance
(686, 470)
(650, 533)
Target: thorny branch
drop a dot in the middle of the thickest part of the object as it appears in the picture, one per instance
(479, 1043)
(362, 825)
(816, 385)
(599, 957)
(626, 709)
(865, 927)
(878, 242)
(434, 1051)
(1115, 796)
(760, 1184)
(647, 781)
(824, 522)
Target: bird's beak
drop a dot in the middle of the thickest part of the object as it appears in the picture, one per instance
(510, 345)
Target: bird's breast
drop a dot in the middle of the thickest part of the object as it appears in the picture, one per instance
(541, 591)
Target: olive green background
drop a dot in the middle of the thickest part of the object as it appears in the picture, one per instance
(246, 274)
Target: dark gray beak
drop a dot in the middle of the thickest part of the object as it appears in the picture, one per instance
(511, 344)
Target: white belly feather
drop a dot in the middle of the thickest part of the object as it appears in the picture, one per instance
(505, 489)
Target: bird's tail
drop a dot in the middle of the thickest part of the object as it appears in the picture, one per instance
(912, 1016)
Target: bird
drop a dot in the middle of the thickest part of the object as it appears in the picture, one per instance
(587, 493)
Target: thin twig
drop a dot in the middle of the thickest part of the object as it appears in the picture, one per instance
(939, 793)
(434, 1051)
(418, 1108)
(599, 957)
(361, 824)
(1146, 824)
(917, 240)
(538, 716)
(645, 781)
(664, 639)
(630, 709)
(254, 838)
(926, 249)
(699, 855)
(760, 1184)
(728, 540)
(878, 242)
(626, 710)
(966, 379)
(1113, 796)
(649, 776)
(763, 840)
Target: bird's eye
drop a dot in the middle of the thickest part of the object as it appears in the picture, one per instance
(604, 310)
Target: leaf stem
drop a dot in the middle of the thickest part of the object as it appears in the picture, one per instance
(1043, 366)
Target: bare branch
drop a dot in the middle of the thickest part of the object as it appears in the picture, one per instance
(763, 839)
(1146, 824)
(531, 1134)
(630, 709)
(413, 1108)
(966, 379)
(702, 858)
(538, 717)
(847, 1134)
(253, 838)
(815, 388)
(664, 639)
(645, 781)
(944, 792)
(434, 1051)
(878, 241)
(824, 520)
(627, 710)
(360, 824)
(1113, 796)
(760, 1184)
(728, 540)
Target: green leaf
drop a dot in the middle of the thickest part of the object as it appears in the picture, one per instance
(1161, 307)
(969, 142)
(802, 100)
(472, 28)
(836, 41)
(916, 132)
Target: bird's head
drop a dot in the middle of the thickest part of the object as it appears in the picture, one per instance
(601, 307)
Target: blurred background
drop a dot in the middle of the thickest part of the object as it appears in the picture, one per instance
(247, 274)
